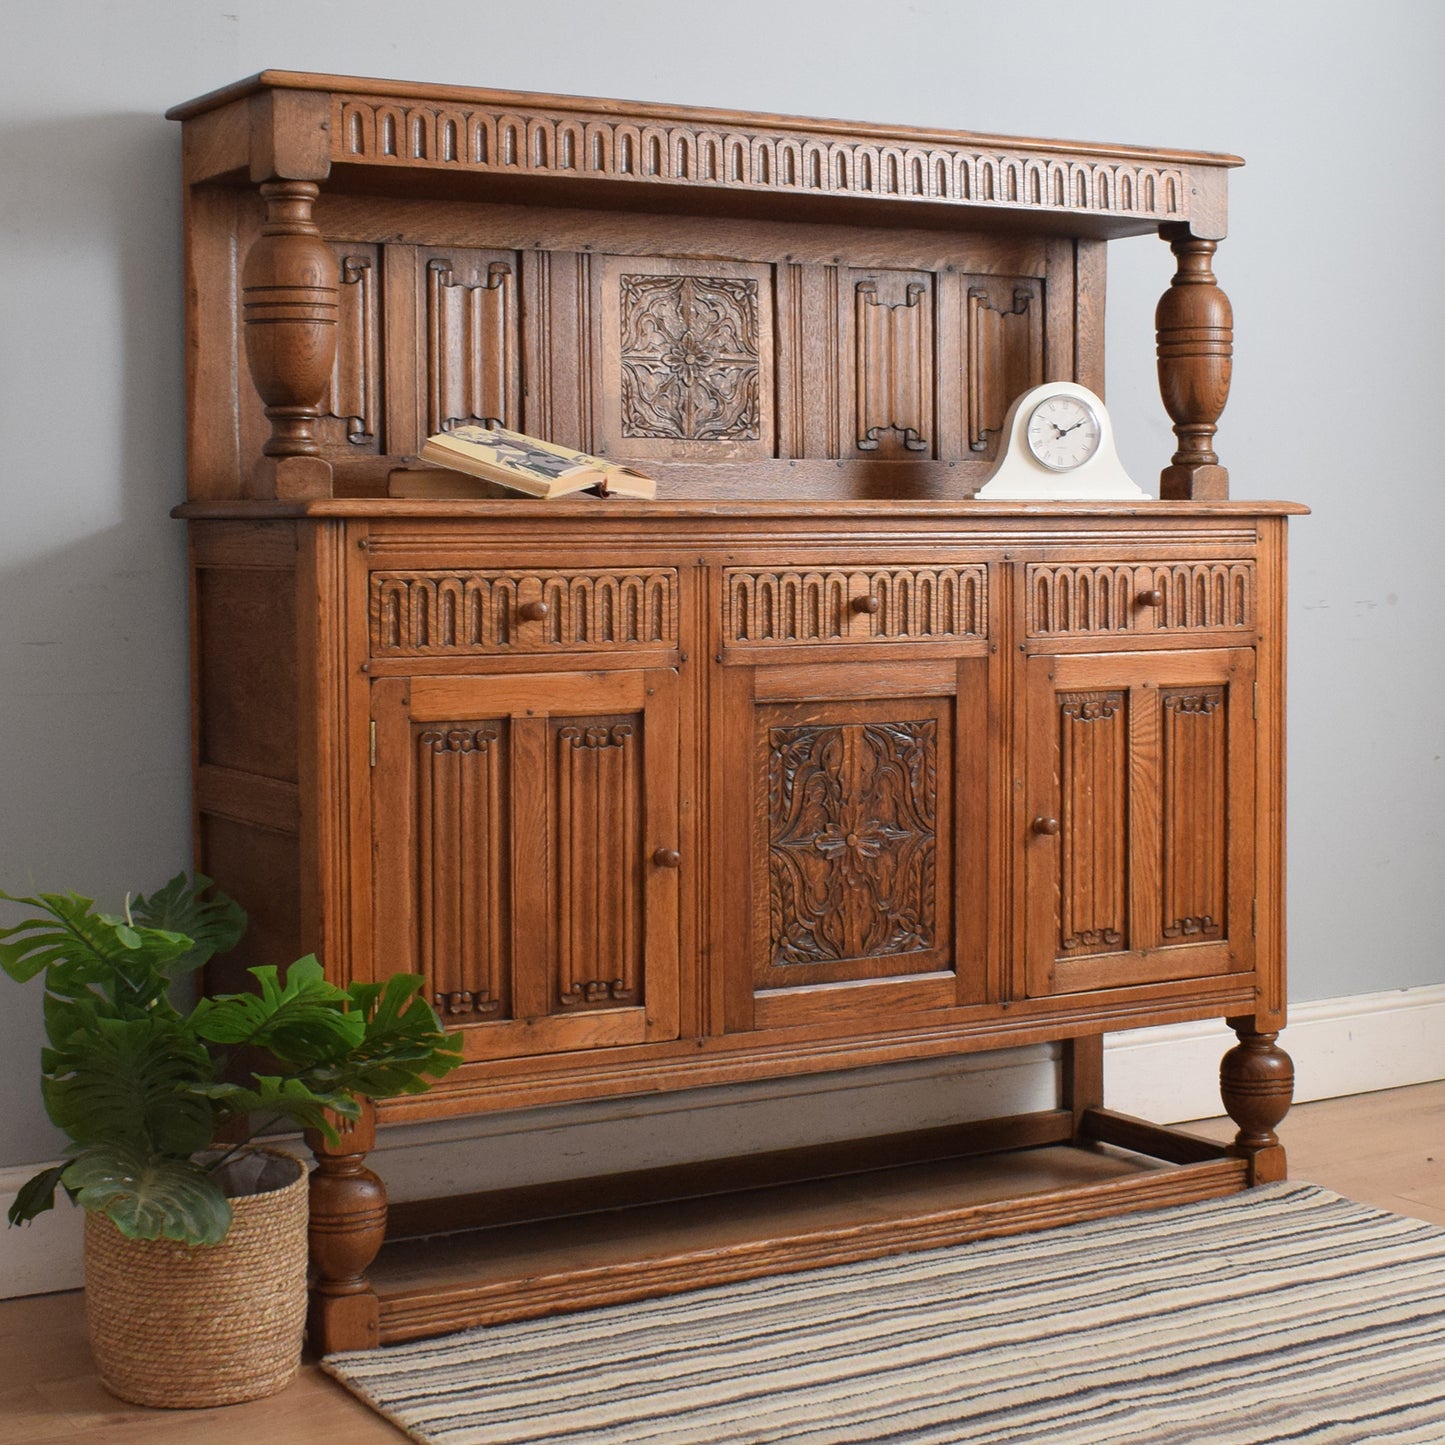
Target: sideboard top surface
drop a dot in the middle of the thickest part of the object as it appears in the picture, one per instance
(782, 511)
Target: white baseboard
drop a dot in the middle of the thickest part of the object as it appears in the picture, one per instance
(1340, 1046)
(43, 1256)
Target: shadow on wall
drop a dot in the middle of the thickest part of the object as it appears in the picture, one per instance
(93, 710)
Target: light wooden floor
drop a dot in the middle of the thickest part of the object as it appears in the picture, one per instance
(1384, 1149)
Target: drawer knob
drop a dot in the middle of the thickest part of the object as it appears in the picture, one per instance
(1046, 827)
(1152, 598)
(867, 605)
(667, 858)
(533, 611)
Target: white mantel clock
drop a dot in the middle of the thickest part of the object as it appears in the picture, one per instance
(1059, 445)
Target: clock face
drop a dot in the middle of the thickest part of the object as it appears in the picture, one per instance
(1063, 433)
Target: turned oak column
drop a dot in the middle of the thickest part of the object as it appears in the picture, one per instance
(289, 302)
(1256, 1081)
(1195, 327)
(348, 1225)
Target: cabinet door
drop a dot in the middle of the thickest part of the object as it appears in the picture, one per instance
(854, 808)
(525, 859)
(1140, 827)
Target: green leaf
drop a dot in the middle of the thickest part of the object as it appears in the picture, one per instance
(36, 1195)
(149, 1198)
(301, 1022)
(68, 930)
(123, 1082)
(213, 925)
(283, 1098)
(405, 1045)
(81, 951)
(66, 1017)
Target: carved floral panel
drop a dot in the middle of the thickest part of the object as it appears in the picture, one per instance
(690, 365)
(853, 840)
(683, 359)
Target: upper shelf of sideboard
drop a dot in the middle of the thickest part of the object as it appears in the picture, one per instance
(388, 137)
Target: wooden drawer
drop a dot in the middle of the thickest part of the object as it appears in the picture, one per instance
(457, 613)
(789, 606)
(1109, 599)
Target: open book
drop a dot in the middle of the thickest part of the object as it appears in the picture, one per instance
(526, 464)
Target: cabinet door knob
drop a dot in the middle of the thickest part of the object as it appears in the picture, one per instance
(1152, 598)
(868, 604)
(667, 858)
(533, 611)
(1046, 826)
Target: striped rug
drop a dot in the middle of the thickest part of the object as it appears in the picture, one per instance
(1286, 1314)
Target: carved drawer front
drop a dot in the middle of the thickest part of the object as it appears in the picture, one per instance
(911, 604)
(1072, 599)
(475, 613)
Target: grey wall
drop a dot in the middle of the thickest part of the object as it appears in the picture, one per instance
(1332, 267)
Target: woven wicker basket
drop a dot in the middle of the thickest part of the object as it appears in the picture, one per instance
(181, 1326)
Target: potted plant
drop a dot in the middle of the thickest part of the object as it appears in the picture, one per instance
(195, 1239)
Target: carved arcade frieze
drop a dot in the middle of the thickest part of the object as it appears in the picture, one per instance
(854, 605)
(438, 613)
(380, 131)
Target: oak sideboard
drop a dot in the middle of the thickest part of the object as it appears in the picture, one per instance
(813, 763)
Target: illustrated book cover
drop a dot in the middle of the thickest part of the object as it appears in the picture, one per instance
(523, 463)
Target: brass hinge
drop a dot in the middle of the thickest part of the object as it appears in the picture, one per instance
(373, 742)
(1256, 700)
(1254, 919)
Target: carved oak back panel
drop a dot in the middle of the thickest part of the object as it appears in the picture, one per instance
(769, 358)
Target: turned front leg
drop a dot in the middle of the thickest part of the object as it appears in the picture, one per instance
(1195, 327)
(348, 1225)
(1256, 1080)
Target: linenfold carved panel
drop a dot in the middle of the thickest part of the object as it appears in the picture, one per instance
(1195, 831)
(1094, 799)
(353, 396)
(461, 835)
(893, 365)
(1005, 335)
(689, 354)
(917, 603)
(852, 840)
(781, 158)
(456, 614)
(597, 841)
(1107, 597)
(472, 340)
